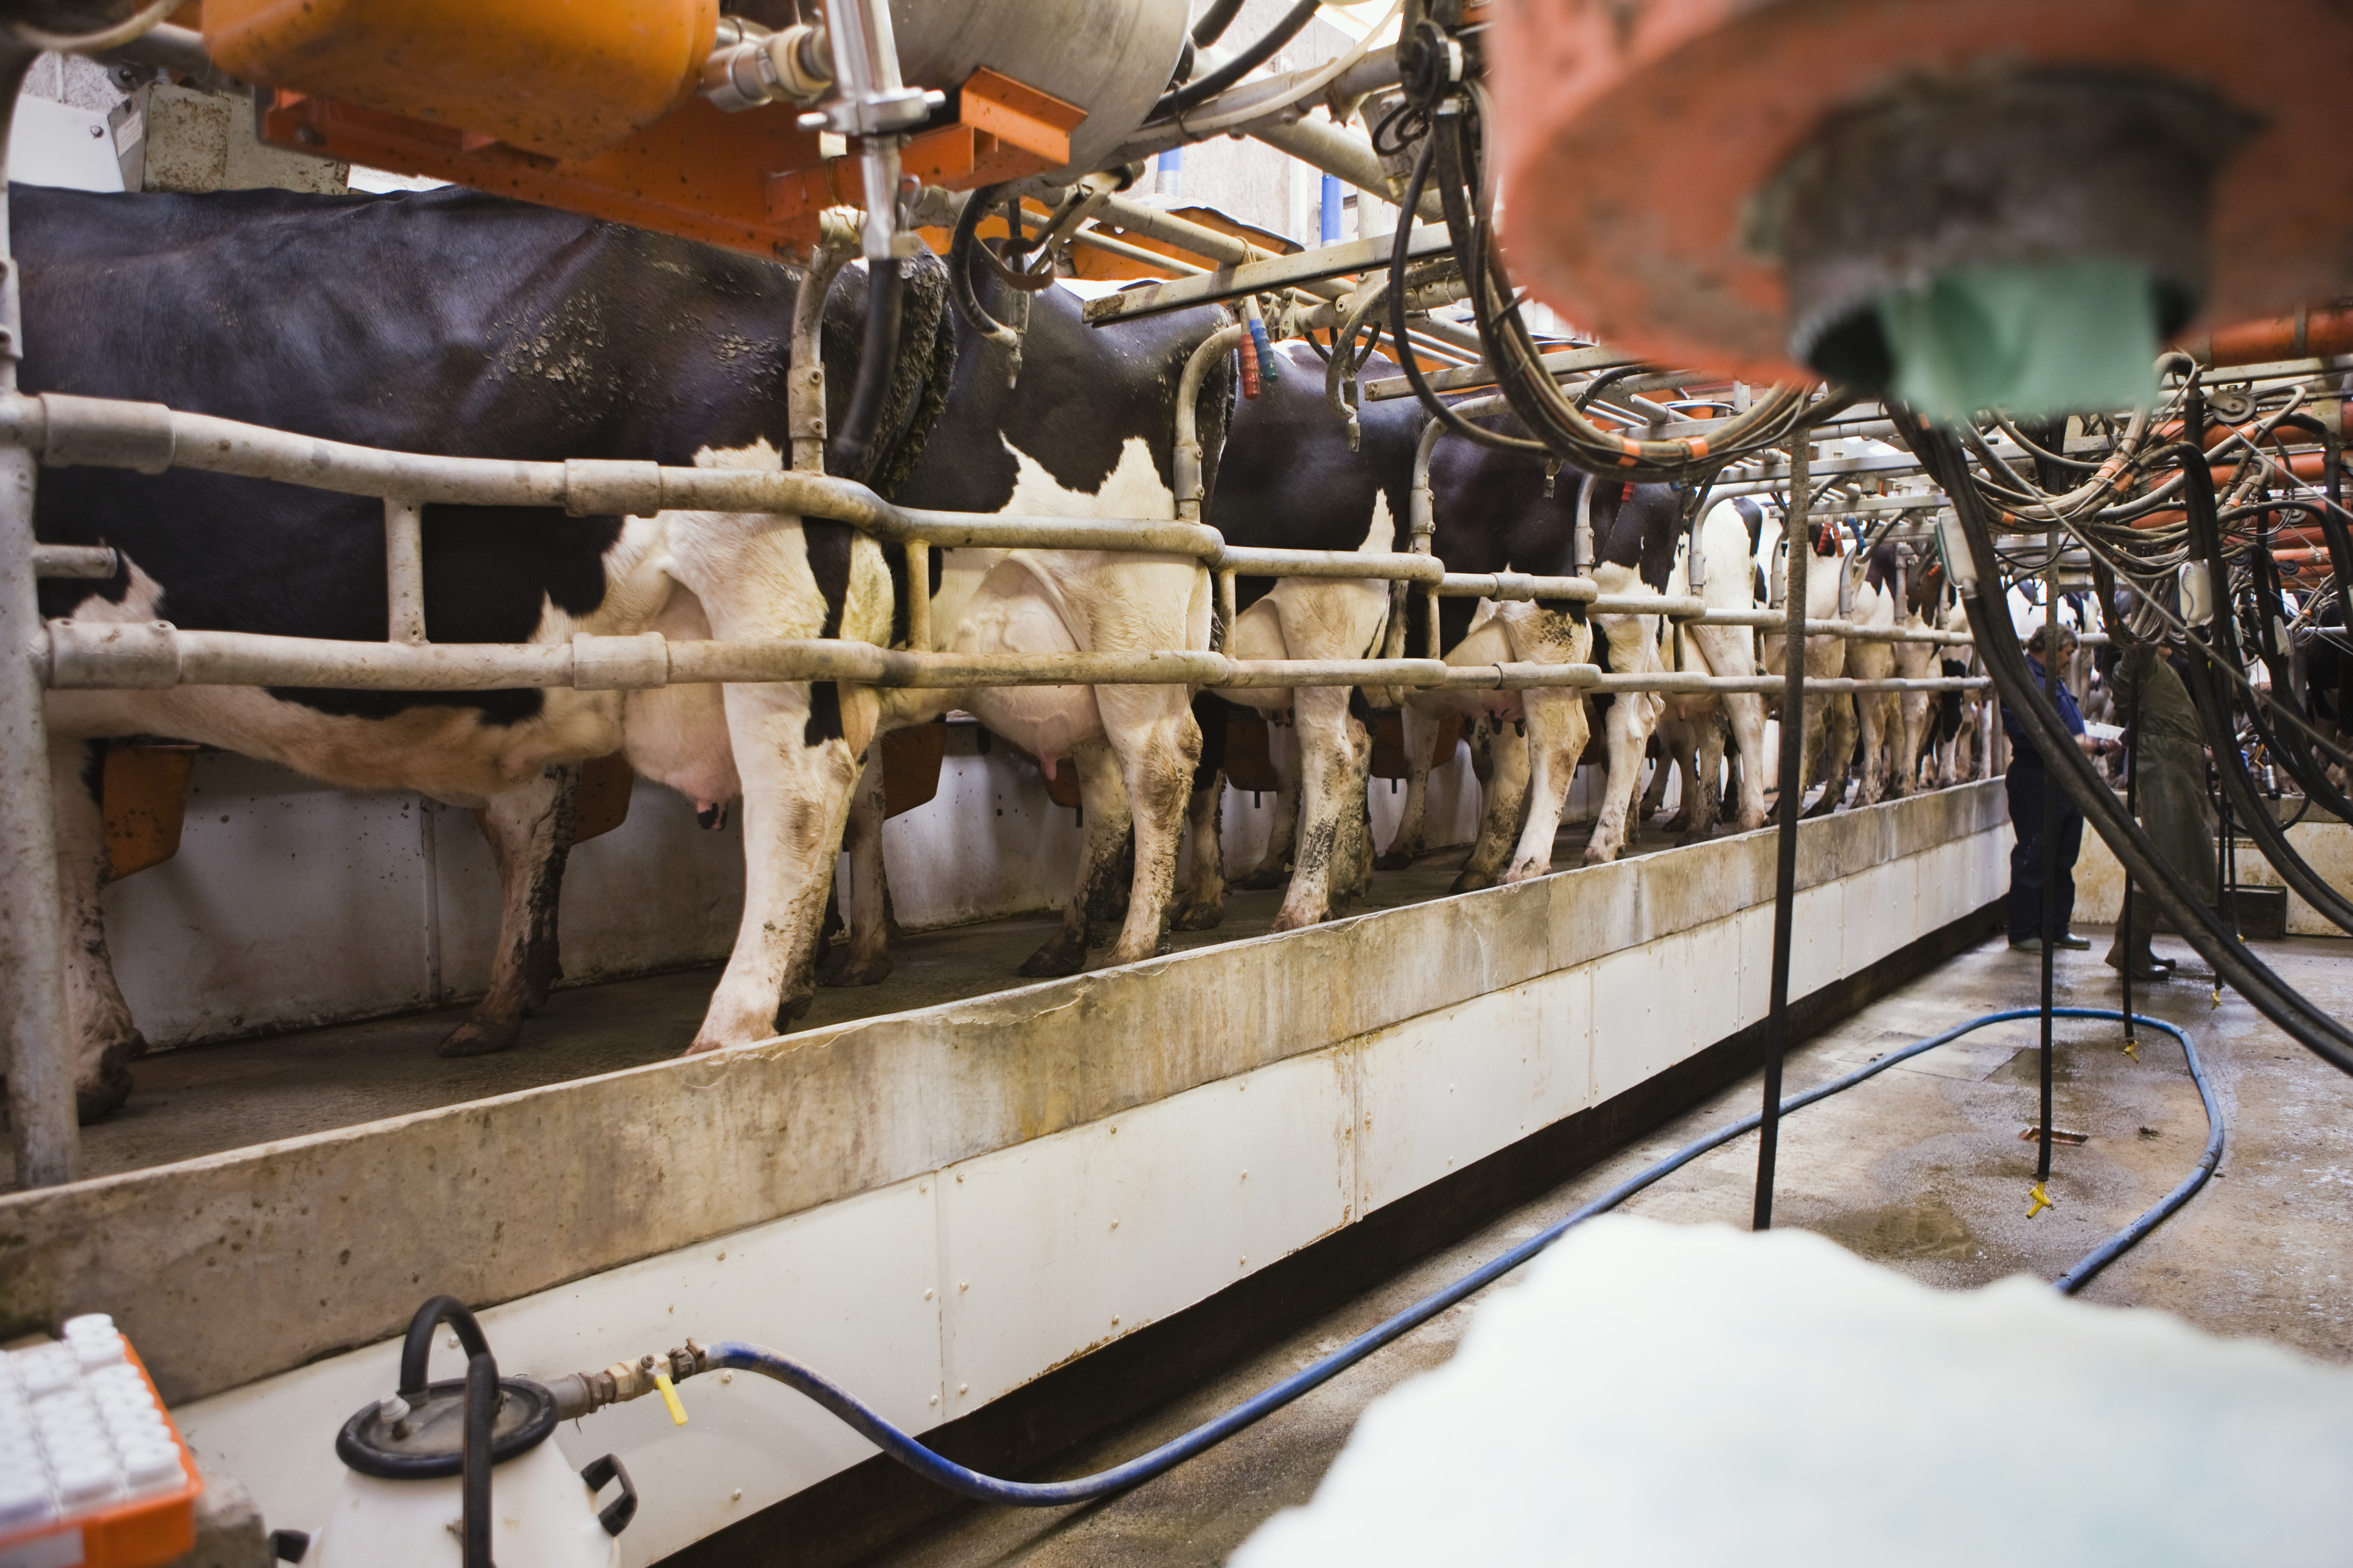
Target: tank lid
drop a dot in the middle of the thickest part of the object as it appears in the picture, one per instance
(425, 1441)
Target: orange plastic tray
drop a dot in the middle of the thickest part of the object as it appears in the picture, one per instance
(141, 1534)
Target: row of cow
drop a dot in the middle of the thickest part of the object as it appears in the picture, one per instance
(458, 323)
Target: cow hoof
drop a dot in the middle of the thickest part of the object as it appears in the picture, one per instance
(1265, 877)
(1289, 919)
(841, 969)
(1696, 836)
(1053, 961)
(1597, 855)
(1395, 861)
(1471, 881)
(481, 1037)
(1200, 917)
(1821, 807)
(1527, 871)
(1679, 823)
(111, 1084)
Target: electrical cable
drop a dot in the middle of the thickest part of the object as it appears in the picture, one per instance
(2312, 1028)
(877, 1429)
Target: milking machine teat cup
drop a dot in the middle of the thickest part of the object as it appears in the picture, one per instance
(422, 1466)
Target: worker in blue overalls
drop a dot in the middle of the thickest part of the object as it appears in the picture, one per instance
(2025, 783)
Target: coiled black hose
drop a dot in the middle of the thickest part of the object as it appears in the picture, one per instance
(2215, 704)
(1397, 291)
(1294, 22)
(1997, 643)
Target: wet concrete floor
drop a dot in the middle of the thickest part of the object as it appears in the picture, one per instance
(1921, 1169)
(201, 1099)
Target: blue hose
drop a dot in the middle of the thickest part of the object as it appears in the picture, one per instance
(871, 1425)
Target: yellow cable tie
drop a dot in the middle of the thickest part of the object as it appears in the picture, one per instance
(669, 1397)
(2041, 1201)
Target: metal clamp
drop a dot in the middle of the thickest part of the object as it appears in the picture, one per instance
(620, 664)
(142, 656)
(105, 433)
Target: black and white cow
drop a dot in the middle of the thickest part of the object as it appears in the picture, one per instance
(1088, 431)
(1291, 480)
(459, 323)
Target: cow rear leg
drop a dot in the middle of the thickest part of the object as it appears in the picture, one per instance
(1504, 808)
(1103, 802)
(865, 958)
(1557, 730)
(105, 1039)
(1743, 715)
(1282, 832)
(1668, 744)
(1202, 905)
(1352, 859)
(530, 834)
(1631, 716)
(1328, 742)
(1703, 800)
(1158, 744)
(1411, 840)
(1838, 752)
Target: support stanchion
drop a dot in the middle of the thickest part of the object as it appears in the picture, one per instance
(2050, 914)
(1785, 874)
(2129, 944)
(34, 1025)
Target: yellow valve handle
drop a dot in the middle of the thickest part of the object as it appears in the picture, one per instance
(2132, 1048)
(669, 1397)
(2041, 1201)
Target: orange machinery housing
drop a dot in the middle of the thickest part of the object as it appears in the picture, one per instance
(591, 109)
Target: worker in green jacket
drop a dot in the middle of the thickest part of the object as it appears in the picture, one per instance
(2162, 726)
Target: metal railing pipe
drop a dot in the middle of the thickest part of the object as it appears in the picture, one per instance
(37, 1038)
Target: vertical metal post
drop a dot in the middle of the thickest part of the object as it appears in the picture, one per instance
(2132, 810)
(919, 595)
(2050, 916)
(34, 1026)
(404, 570)
(1785, 873)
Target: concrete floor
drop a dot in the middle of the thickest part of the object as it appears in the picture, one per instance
(200, 1099)
(1921, 1169)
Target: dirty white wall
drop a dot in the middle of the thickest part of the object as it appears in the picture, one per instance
(292, 903)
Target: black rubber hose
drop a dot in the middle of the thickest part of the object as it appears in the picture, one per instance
(2238, 789)
(1398, 252)
(878, 359)
(1215, 21)
(417, 1348)
(474, 1460)
(1997, 643)
(1294, 22)
(960, 245)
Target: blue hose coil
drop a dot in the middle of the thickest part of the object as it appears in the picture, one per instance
(870, 1424)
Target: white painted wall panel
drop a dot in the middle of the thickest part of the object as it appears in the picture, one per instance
(288, 903)
(1817, 937)
(1062, 1243)
(1441, 1090)
(842, 1287)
